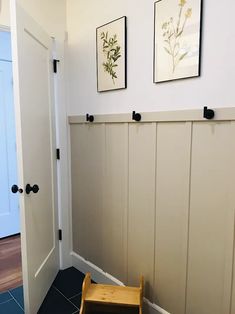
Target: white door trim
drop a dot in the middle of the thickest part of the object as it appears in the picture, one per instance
(63, 137)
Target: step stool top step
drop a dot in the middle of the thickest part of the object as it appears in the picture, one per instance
(108, 294)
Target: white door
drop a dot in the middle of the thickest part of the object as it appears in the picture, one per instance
(36, 152)
(9, 206)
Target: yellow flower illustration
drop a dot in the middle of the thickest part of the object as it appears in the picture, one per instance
(173, 32)
(182, 3)
(188, 14)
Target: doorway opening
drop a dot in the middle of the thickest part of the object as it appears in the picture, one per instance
(10, 247)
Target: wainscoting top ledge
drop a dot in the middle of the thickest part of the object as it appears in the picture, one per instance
(221, 114)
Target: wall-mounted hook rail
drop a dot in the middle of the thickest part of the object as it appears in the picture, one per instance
(89, 118)
(208, 113)
(136, 116)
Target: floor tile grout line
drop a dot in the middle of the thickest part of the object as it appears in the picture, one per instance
(76, 295)
(4, 292)
(16, 301)
(65, 297)
(6, 301)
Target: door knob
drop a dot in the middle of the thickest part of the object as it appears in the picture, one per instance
(15, 189)
(29, 188)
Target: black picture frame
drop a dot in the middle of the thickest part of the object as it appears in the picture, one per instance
(111, 55)
(161, 73)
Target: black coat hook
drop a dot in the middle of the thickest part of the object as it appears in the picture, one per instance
(89, 118)
(55, 62)
(208, 113)
(136, 116)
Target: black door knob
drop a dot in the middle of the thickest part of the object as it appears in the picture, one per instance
(15, 189)
(29, 188)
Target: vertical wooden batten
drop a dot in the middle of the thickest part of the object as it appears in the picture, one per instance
(114, 232)
(172, 200)
(78, 171)
(232, 301)
(211, 218)
(142, 155)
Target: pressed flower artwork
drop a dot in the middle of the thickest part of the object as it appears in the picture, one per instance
(177, 39)
(111, 55)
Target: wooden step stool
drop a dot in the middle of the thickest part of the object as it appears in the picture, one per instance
(108, 295)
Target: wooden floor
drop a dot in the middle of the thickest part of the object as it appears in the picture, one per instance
(10, 263)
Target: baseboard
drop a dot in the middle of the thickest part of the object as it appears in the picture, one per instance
(97, 274)
(100, 276)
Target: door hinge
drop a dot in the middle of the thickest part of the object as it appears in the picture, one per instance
(60, 235)
(58, 154)
(55, 61)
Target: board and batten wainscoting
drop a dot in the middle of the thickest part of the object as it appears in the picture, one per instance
(157, 198)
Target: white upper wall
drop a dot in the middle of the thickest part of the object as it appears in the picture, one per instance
(50, 14)
(215, 87)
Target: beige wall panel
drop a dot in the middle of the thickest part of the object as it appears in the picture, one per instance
(141, 218)
(88, 158)
(77, 172)
(114, 231)
(211, 218)
(172, 203)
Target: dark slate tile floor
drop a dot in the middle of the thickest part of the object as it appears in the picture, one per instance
(11, 301)
(64, 296)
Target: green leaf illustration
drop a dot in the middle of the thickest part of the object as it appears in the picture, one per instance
(183, 56)
(167, 50)
(112, 52)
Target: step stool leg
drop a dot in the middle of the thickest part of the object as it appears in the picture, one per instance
(85, 286)
(141, 294)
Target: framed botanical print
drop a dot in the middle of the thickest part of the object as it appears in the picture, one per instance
(177, 32)
(111, 55)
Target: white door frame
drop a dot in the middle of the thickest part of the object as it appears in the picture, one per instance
(63, 165)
